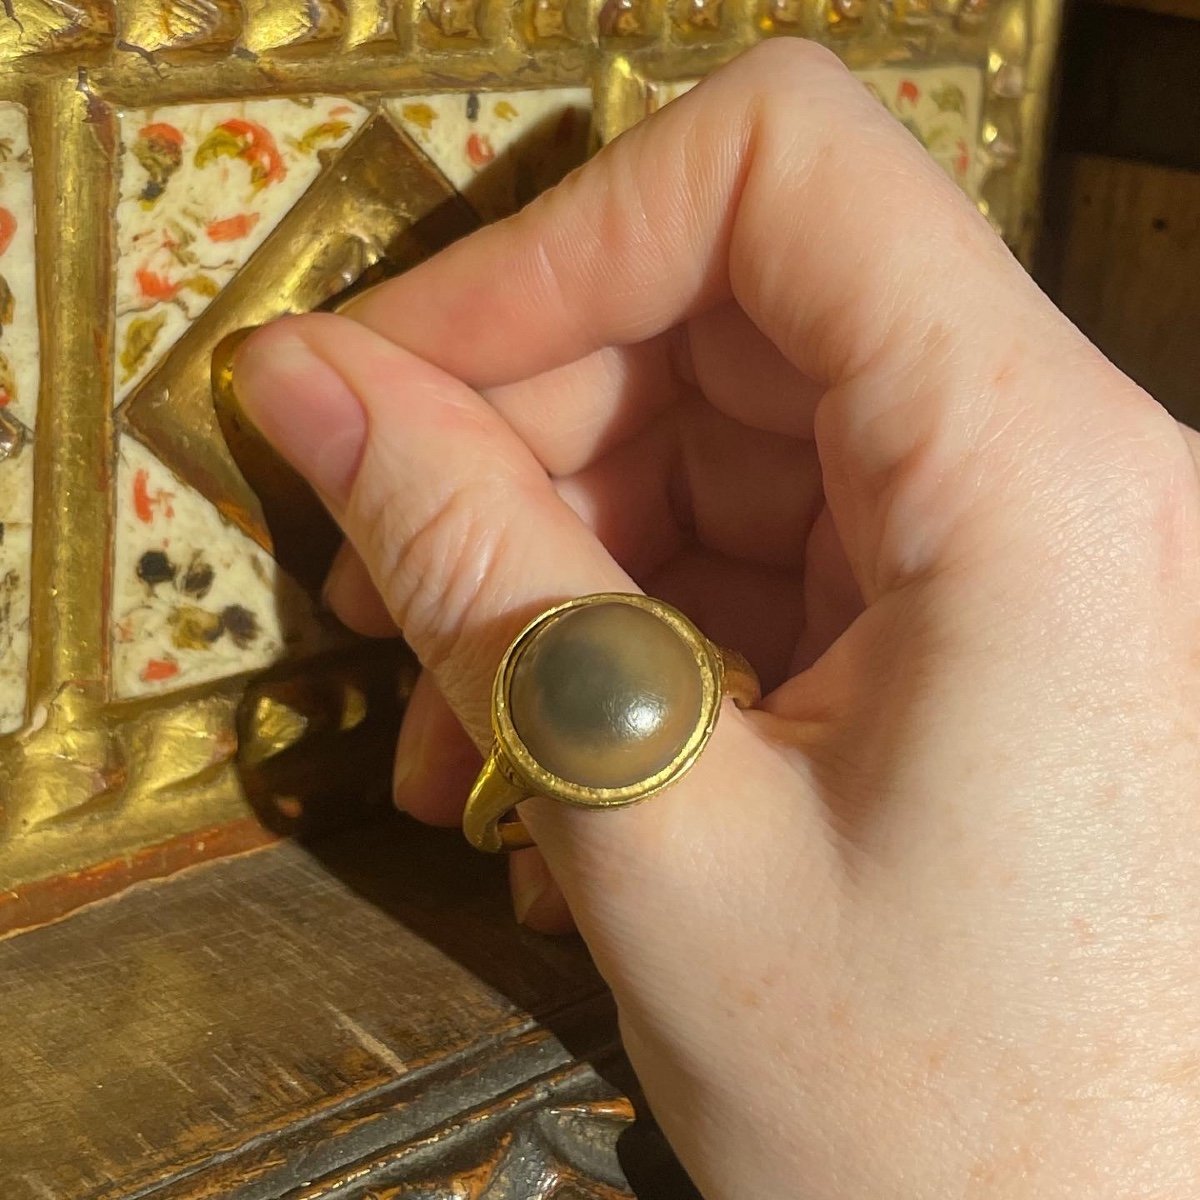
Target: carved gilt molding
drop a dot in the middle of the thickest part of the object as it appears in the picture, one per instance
(173, 171)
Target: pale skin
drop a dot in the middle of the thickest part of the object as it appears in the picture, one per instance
(927, 923)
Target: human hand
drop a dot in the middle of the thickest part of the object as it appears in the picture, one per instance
(928, 922)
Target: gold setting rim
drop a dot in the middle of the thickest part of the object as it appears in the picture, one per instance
(529, 775)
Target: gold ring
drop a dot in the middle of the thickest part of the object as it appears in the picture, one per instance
(599, 703)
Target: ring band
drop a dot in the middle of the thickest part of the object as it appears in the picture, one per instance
(599, 703)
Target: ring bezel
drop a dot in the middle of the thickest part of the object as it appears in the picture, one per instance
(527, 773)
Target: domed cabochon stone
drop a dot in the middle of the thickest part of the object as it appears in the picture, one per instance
(605, 695)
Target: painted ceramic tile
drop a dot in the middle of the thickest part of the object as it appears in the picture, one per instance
(16, 511)
(500, 148)
(939, 106)
(201, 186)
(194, 599)
(18, 282)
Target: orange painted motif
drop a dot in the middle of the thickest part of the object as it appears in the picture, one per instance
(159, 669)
(260, 150)
(231, 229)
(159, 149)
(248, 141)
(161, 131)
(479, 150)
(144, 503)
(154, 286)
(908, 91)
(8, 227)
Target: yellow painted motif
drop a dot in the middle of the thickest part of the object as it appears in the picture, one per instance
(420, 115)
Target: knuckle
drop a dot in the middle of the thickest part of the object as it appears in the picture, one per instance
(1164, 471)
(1132, 492)
(1140, 447)
(787, 60)
(788, 83)
(434, 579)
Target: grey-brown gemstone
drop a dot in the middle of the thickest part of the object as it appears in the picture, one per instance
(605, 695)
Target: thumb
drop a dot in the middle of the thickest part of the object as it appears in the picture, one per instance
(459, 525)
(466, 540)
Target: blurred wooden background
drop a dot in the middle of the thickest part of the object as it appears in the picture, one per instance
(1120, 250)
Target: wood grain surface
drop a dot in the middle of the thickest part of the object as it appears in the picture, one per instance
(361, 1018)
(1128, 270)
(1120, 244)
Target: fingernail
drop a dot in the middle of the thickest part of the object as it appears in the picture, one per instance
(303, 407)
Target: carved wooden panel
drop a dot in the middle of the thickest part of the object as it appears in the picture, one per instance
(362, 1019)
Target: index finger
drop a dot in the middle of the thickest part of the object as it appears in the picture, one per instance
(780, 181)
(782, 184)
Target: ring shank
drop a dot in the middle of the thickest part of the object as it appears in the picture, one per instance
(739, 680)
(492, 798)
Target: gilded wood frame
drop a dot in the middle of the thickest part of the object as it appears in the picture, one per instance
(96, 792)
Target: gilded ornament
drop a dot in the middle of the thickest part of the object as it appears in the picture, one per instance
(173, 172)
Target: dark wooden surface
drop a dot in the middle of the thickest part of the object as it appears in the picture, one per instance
(1129, 85)
(1129, 269)
(359, 1019)
(1120, 250)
